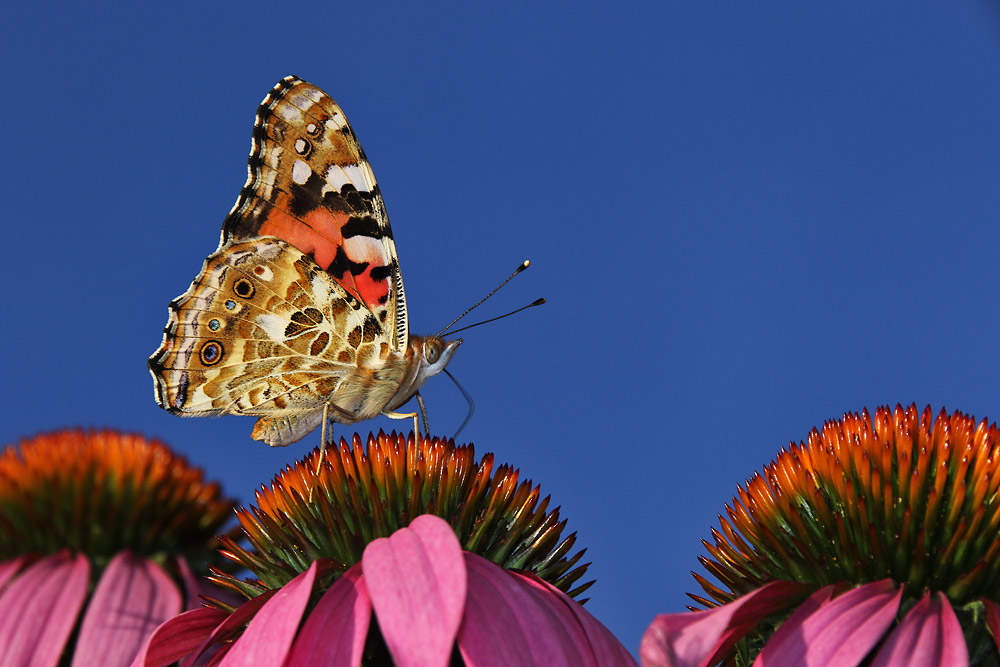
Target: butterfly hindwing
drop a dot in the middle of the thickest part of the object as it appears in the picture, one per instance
(310, 184)
(263, 330)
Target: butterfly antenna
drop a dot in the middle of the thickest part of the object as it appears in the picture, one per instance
(468, 398)
(525, 264)
(536, 302)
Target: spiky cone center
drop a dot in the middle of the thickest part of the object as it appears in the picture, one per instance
(102, 492)
(364, 491)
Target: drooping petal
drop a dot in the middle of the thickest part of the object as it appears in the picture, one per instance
(506, 624)
(9, 568)
(694, 638)
(993, 620)
(39, 609)
(268, 637)
(841, 631)
(514, 619)
(417, 582)
(603, 645)
(335, 632)
(195, 586)
(928, 636)
(219, 641)
(178, 637)
(132, 598)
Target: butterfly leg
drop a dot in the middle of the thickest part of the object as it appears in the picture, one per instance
(423, 413)
(322, 453)
(322, 441)
(406, 415)
(327, 408)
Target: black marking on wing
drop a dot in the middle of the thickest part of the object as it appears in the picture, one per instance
(380, 273)
(361, 226)
(341, 265)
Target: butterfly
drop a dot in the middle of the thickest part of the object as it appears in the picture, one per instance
(300, 315)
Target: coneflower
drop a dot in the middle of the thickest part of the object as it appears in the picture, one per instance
(102, 536)
(875, 543)
(397, 553)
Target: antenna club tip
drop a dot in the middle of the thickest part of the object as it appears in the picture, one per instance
(539, 301)
(525, 264)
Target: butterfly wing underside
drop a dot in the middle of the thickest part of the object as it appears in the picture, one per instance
(304, 295)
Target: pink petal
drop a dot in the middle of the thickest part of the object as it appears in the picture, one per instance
(132, 598)
(192, 584)
(335, 632)
(39, 609)
(514, 619)
(178, 637)
(604, 646)
(416, 581)
(218, 643)
(841, 631)
(993, 619)
(9, 568)
(269, 636)
(694, 638)
(217, 658)
(507, 623)
(195, 587)
(928, 635)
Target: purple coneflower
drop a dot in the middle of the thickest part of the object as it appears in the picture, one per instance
(876, 543)
(396, 553)
(97, 531)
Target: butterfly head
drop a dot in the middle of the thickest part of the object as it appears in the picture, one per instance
(426, 357)
(435, 353)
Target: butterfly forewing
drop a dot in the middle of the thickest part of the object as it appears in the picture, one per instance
(309, 183)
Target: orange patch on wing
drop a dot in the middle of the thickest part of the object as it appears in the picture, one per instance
(371, 290)
(328, 225)
(317, 232)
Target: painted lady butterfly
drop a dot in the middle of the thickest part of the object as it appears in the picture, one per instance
(301, 312)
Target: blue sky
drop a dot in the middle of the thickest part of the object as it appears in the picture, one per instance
(747, 218)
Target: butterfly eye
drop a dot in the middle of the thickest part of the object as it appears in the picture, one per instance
(432, 351)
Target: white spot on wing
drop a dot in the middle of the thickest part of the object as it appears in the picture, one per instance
(338, 176)
(273, 324)
(300, 172)
(267, 183)
(365, 249)
(268, 249)
(336, 122)
(300, 146)
(288, 113)
(302, 98)
(272, 157)
(324, 290)
(312, 94)
(366, 173)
